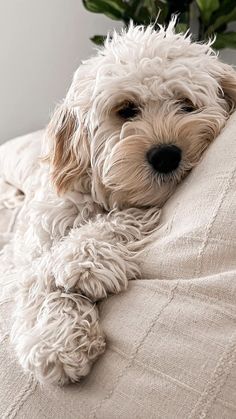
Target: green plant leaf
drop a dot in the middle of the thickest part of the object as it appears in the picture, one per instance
(214, 15)
(181, 27)
(142, 16)
(141, 12)
(98, 39)
(207, 7)
(224, 9)
(225, 40)
(154, 7)
(111, 8)
(222, 20)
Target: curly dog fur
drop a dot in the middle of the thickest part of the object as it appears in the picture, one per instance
(135, 121)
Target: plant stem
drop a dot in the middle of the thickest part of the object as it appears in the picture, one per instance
(201, 30)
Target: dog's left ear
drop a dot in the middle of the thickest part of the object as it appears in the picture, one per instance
(228, 84)
(69, 155)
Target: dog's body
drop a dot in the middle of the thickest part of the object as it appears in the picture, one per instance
(135, 121)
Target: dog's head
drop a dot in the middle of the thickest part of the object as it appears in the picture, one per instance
(138, 117)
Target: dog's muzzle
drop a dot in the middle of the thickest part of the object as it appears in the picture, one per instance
(164, 158)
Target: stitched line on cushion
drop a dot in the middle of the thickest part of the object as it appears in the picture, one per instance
(118, 351)
(174, 380)
(155, 371)
(219, 377)
(19, 401)
(228, 405)
(194, 295)
(210, 225)
(155, 235)
(135, 352)
(4, 337)
(212, 239)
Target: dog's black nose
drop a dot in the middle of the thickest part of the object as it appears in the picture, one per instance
(164, 158)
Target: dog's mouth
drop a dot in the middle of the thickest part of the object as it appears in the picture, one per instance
(172, 178)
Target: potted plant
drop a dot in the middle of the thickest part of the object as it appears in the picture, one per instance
(206, 18)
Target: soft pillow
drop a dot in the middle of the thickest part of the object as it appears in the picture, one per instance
(19, 160)
(172, 335)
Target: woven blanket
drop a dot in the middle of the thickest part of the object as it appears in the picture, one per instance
(171, 336)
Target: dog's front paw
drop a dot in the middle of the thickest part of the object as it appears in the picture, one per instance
(92, 268)
(64, 341)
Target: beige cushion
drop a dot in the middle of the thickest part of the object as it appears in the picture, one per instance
(172, 336)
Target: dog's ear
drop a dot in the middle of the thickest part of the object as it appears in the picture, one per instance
(69, 154)
(228, 85)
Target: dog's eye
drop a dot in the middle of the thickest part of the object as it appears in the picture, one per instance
(187, 106)
(128, 110)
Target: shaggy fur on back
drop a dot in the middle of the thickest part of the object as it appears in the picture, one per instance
(135, 121)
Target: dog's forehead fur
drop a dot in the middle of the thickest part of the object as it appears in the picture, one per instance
(151, 65)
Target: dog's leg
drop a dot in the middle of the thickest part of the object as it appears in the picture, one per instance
(57, 336)
(100, 257)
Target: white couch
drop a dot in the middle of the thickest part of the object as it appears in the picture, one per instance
(172, 335)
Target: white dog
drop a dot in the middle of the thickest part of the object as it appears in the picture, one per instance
(135, 121)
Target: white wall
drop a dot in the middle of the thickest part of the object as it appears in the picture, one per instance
(41, 44)
(229, 55)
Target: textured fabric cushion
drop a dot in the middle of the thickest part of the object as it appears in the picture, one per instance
(19, 160)
(172, 336)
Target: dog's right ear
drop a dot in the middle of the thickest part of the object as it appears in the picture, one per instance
(69, 155)
(227, 82)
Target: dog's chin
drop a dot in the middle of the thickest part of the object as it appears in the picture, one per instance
(141, 195)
